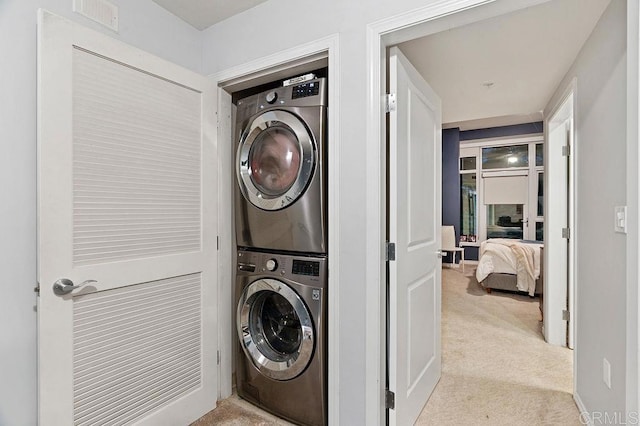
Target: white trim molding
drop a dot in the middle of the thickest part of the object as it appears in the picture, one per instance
(585, 417)
(633, 208)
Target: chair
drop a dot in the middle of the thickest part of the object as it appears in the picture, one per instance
(449, 244)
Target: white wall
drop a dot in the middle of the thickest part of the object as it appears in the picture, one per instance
(601, 155)
(142, 24)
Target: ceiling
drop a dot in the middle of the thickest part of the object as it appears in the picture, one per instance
(204, 13)
(504, 70)
(494, 72)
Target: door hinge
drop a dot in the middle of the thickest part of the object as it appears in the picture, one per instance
(36, 289)
(390, 102)
(566, 233)
(390, 251)
(389, 400)
(566, 315)
(566, 150)
(218, 355)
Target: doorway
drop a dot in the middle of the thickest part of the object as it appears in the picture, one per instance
(392, 32)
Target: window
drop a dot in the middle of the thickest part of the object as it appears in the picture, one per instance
(539, 155)
(468, 163)
(541, 194)
(502, 189)
(539, 231)
(505, 221)
(503, 157)
(540, 208)
(468, 198)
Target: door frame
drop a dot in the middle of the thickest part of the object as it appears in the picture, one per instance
(438, 16)
(633, 200)
(312, 55)
(554, 327)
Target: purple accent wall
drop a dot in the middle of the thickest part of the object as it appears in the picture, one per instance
(451, 181)
(496, 132)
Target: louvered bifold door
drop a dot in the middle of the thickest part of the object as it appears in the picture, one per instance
(127, 231)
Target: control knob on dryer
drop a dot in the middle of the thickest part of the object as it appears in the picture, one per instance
(271, 97)
(272, 265)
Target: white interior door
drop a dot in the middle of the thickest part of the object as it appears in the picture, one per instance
(557, 246)
(126, 205)
(415, 219)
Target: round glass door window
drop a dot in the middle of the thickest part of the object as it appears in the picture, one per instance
(275, 329)
(275, 160)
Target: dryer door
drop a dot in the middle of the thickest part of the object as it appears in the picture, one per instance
(275, 160)
(275, 329)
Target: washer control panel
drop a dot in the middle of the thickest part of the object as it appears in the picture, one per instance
(272, 265)
(306, 267)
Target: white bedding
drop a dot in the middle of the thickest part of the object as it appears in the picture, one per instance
(510, 257)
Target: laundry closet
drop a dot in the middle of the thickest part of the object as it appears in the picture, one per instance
(280, 200)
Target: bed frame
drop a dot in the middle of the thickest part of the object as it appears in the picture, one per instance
(507, 282)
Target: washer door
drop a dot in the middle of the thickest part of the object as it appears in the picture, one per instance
(275, 329)
(276, 157)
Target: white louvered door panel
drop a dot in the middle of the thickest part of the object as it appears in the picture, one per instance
(129, 340)
(136, 167)
(127, 201)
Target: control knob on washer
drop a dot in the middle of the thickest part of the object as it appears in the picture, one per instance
(272, 265)
(271, 97)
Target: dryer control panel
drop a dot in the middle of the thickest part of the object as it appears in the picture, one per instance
(307, 89)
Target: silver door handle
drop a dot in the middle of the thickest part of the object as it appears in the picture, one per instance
(65, 286)
(441, 254)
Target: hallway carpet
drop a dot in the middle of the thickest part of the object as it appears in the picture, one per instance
(235, 411)
(496, 367)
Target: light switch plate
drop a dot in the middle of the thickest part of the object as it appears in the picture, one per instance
(621, 219)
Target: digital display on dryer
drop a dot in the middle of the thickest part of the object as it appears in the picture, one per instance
(304, 90)
(306, 267)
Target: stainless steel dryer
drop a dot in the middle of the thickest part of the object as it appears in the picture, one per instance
(280, 169)
(281, 322)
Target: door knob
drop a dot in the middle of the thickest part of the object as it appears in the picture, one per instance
(65, 286)
(441, 254)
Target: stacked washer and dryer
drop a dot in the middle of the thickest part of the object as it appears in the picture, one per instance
(281, 233)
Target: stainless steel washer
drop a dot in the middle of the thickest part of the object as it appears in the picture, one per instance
(280, 169)
(281, 325)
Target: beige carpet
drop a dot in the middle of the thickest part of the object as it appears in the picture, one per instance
(496, 368)
(234, 411)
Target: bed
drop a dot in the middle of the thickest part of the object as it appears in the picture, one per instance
(513, 265)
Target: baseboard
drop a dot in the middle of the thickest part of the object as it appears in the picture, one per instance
(585, 418)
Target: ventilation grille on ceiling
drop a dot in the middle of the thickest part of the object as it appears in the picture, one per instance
(135, 349)
(100, 11)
